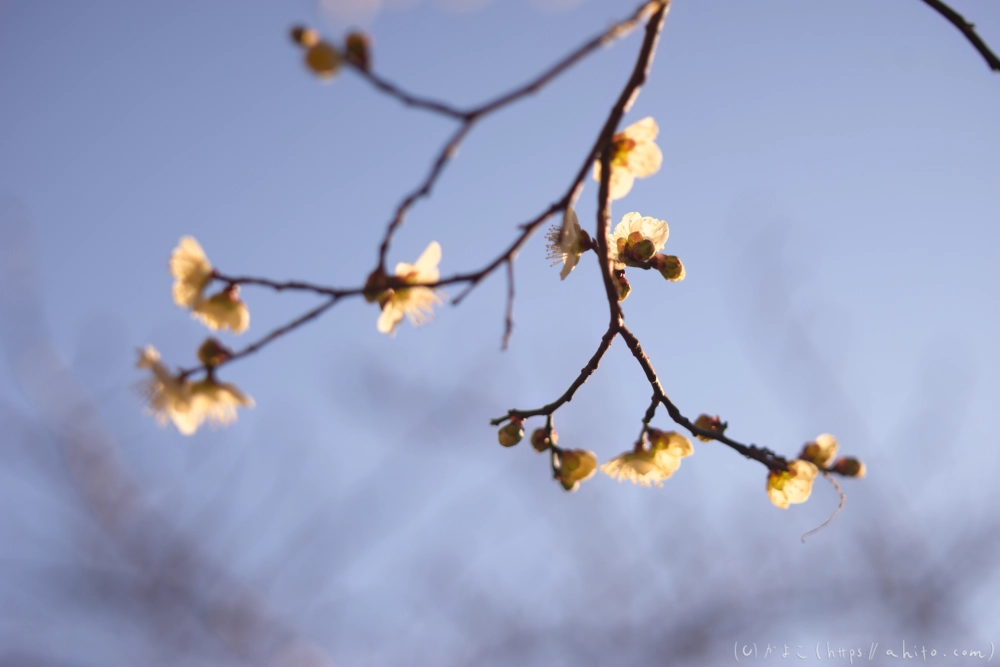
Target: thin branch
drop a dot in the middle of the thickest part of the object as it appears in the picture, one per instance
(271, 337)
(616, 31)
(567, 396)
(406, 98)
(760, 454)
(423, 190)
(967, 29)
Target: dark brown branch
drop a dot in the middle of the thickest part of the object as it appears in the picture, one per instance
(470, 117)
(631, 90)
(967, 29)
(473, 278)
(567, 396)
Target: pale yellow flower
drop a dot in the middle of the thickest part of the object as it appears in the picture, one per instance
(566, 242)
(793, 485)
(168, 398)
(417, 303)
(633, 155)
(217, 401)
(651, 466)
(223, 310)
(191, 270)
(186, 404)
(821, 451)
(636, 238)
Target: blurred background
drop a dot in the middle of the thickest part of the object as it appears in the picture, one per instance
(830, 181)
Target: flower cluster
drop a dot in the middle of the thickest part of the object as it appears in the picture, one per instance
(794, 485)
(192, 275)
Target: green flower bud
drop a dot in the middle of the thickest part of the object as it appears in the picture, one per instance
(670, 267)
(510, 434)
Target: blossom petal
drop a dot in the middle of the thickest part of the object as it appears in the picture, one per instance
(427, 263)
(645, 160)
(620, 183)
(656, 231)
(642, 131)
(793, 485)
(191, 271)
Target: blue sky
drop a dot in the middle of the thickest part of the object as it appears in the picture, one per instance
(829, 179)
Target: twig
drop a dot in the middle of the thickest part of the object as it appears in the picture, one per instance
(274, 335)
(406, 98)
(424, 190)
(567, 396)
(969, 30)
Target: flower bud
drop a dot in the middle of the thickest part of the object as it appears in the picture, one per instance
(575, 465)
(621, 283)
(358, 50)
(821, 451)
(213, 353)
(542, 439)
(304, 36)
(709, 423)
(669, 266)
(511, 434)
(323, 60)
(849, 467)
